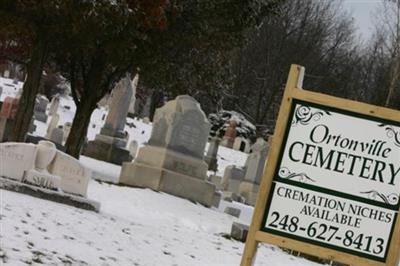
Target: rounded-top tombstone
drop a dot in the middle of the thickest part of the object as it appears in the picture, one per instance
(181, 126)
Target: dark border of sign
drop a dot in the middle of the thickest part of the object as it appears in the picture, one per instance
(324, 190)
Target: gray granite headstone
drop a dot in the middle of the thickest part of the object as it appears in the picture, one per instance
(211, 157)
(110, 144)
(53, 124)
(42, 103)
(181, 126)
(67, 129)
(133, 147)
(40, 108)
(55, 102)
(119, 106)
(131, 110)
(57, 135)
(256, 161)
(172, 160)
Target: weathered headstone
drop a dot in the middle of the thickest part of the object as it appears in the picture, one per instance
(39, 176)
(172, 161)
(254, 170)
(216, 199)
(211, 157)
(104, 101)
(230, 134)
(133, 147)
(74, 176)
(9, 108)
(110, 144)
(53, 124)
(131, 110)
(42, 165)
(40, 108)
(239, 231)
(57, 135)
(55, 103)
(216, 180)
(241, 144)
(146, 108)
(233, 177)
(16, 158)
(67, 129)
(7, 115)
(235, 212)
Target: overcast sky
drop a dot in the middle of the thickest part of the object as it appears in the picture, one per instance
(363, 11)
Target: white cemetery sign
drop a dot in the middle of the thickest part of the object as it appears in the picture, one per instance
(332, 183)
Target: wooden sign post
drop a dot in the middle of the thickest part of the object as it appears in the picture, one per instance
(331, 186)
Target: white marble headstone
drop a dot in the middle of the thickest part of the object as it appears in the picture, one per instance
(16, 158)
(74, 176)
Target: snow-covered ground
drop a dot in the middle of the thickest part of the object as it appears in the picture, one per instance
(134, 226)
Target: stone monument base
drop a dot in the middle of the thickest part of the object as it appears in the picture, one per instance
(161, 172)
(161, 179)
(249, 191)
(47, 194)
(106, 151)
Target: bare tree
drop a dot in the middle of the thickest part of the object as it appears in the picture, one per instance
(316, 34)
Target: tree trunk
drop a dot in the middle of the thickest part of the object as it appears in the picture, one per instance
(393, 80)
(31, 88)
(79, 128)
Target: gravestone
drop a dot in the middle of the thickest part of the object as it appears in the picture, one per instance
(239, 231)
(230, 135)
(131, 110)
(241, 144)
(53, 124)
(16, 159)
(235, 212)
(44, 166)
(40, 108)
(216, 180)
(8, 113)
(104, 101)
(110, 144)
(254, 171)
(233, 177)
(146, 108)
(55, 103)
(57, 135)
(172, 160)
(9, 108)
(211, 157)
(133, 147)
(67, 129)
(39, 175)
